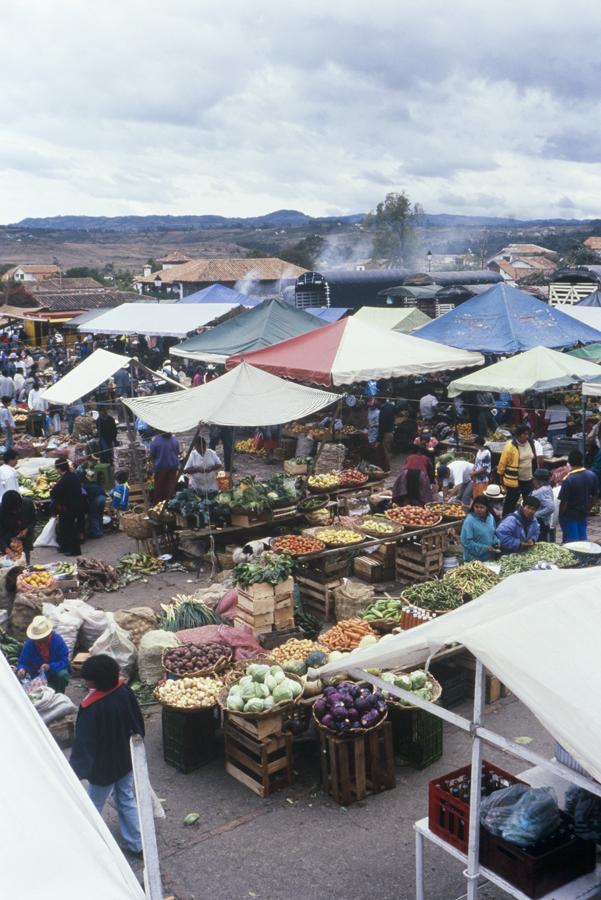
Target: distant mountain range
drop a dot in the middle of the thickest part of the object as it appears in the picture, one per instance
(281, 218)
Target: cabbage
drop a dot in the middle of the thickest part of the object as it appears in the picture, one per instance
(235, 690)
(275, 670)
(418, 679)
(282, 692)
(268, 702)
(389, 677)
(235, 703)
(334, 655)
(255, 705)
(245, 681)
(404, 682)
(270, 682)
(249, 692)
(296, 666)
(257, 672)
(262, 691)
(280, 677)
(367, 640)
(295, 687)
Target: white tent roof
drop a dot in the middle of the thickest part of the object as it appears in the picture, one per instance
(404, 319)
(591, 389)
(244, 396)
(161, 319)
(589, 315)
(74, 854)
(538, 633)
(538, 369)
(85, 377)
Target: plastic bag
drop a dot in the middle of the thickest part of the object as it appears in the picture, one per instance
(47, 536)
(585, 810)
(534, 817)
(496, 809)
(52, 706)
(92, 621)
(150, 654)
(64, 623)
(115, 642)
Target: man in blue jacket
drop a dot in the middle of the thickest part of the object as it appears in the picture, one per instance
(45, 652)
(108, 716)
(520, 530)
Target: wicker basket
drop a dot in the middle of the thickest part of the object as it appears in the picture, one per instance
(333, 544)
(184, 709)
(136, 525)
(347, 734)
(276, 708)
(219, 666)
(237, 669)
(353, 484)
(433, 612)
(385, 626)
(316, 503)
(411, 527)
(396, 528)
(436, 695)
(448, 516)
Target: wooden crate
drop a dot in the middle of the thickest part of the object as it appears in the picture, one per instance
(317, 597)
(77, 662)
(295, 468)
(243, 520)
(261, 765)
(368, 569)
(353, 767)
(326, 568)
(386, 554)
(409, 570)
(255, 620)
(494, 690)
(283, 618)
(259, 727)
(272, 639)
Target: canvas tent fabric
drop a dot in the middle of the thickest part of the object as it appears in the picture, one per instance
(586, 315)
(349, 351)
(327, 313)
(244, 397)
(220, 293)
(539, 369)
(85, 317)
(591, 389)
(537, 632)
(393, 319)
(270, 322)
(593, 299)
(85, 377)
(159, 319)
(505, 320)
(591, 352)
(75, 854)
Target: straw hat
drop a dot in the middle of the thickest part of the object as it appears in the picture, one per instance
(39, 629)
(494, 492)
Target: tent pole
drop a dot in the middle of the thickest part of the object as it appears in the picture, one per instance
(472, 873)
(158, 375)
(584, 406)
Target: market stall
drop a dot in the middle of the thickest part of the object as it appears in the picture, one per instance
(157, 319)
(405, 320)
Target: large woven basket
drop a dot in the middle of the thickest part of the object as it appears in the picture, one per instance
(136, 525)
(278, 707)
(219, 666)
(346, 734)
(436, 695)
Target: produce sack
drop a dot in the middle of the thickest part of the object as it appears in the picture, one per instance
(150, 654)
(242, 642)
(47, 536)
(228, 603)
(585, 810)
(64, 623)
(115, 642)
(351, 598)
(136, 621)
(92, 621)
(27, 606)
(52, 706)
(534, 817)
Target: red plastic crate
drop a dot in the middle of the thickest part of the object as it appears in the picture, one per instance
(449, 816)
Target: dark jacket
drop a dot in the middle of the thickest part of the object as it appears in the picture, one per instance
(386, 420)
(10, 526)
(514, 529)
(67, 494)
(101, 751)
(107, 429)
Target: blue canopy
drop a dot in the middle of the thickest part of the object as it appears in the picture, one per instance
(504, 320)
(593, 299)
(327, 313)
(219, 293)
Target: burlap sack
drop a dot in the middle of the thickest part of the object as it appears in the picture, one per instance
(136, 621)
(150, 654)
(27, 606)
(330, 458)
(351, 598)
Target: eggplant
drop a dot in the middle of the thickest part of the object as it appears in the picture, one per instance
(352, 713)
(321, 707)
(363, 704)
(335, 698)
(327, 720)
(370, 718)
(381, 706)
(340, 712)
(329, 690)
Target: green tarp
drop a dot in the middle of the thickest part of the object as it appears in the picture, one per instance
(592, 352)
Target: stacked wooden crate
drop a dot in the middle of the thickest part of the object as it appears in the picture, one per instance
(317, 582)
(258, 752)
(420, 559)
(378, 566)
(266, 607)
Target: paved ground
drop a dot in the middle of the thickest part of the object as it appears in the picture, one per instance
(298, 844)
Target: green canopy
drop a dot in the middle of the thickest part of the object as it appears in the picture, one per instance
(591, 352)
(268, 323)
(538, 369)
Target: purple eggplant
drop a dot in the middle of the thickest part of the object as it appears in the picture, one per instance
(370, 718)
(321, 707)
(381, 706)
(352, 713)
(340, 712)
(335, 699)
(327, 720)
(363, 704)
(329, 690)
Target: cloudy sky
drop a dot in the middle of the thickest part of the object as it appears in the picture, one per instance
(241, 107)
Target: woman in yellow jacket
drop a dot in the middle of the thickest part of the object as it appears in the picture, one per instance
(516, 467)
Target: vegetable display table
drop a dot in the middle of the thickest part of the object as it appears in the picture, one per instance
(588, 886)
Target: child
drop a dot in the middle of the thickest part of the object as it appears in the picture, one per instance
(120, 493)
(544, 492)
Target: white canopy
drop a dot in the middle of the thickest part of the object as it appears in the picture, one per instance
(244, 396)
(589, 315)
(538, 369)
(404, 319)
(538, 633)
(85, 377)
(160, 319)
(591, 389)
(54, 842)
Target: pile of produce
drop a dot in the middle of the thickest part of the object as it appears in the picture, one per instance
(137, 621)
(310, 504)
(97, 575)
(319, 517)
(541, 552)
(201, 509)
(438, 595)
(161, 511)
(14, 549)
(270, 567)
(415, 516)
(386, 608)
(190, 659)
(342, 536)
(300, 460)
(140, 564)
(64, 569)
(10, 648)
(189, 693)
(187, 612)
(298, 427)
(473, 578)
(325, 482)
(456, 510)
(348, 635)
(318, 433)
(349, 707)
(418, 682)
(261, 689)
(248, 446)
(41, 487)
(464, 429)
(377, 525)
(352, 477)
(144, 692)
(374, 472)
(249, 496)
(282, 490)
(307, 652)
(37, 579)
(297, 544)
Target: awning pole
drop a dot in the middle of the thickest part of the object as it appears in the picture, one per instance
(472, 873)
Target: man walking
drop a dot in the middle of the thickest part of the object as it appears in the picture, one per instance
(578, 491)
(108, 716)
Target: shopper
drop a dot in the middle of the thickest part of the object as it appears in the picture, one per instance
(225, 434)
(108, 716)
(120, 492)
(516, 467)
(202, 465)
(544, 492)
(106, 428)
(164, 452)
(7, 385)
(45, 652)
(96, 498)
(68, 504)
(496, 497)
(579, 490)
(8, 474)
(17, 521)
(482, 467)
(414, 483)
(556, 419)
(386, 426)
(7, 423)
(520, 530)
(478, 532)
(427, 407)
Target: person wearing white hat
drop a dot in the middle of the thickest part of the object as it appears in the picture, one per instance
(45, 652)
(496, 499)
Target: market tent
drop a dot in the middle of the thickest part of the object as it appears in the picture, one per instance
(85, 317)
(85, 377)
(244, 397)
(587, 315)
(505, 320)
(220, 293)
(591, 389)
(350, 350)
(327, 313)
(159, 319)
(591, 352)
(266, 324)
(539, 369)
(54, 842)
(536, 632)
(593, 299)
(393, 319)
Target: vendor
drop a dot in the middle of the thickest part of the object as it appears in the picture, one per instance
(8, 474)
(17, 521)
(520, 530)
(414, 483)
(478, 532)
(202, 465)
(164, 452)
(516, 466)
(45, 651)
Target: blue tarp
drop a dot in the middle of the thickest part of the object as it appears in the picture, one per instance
(593, 299)
(327, 313)
(505, 320)
(219, 293)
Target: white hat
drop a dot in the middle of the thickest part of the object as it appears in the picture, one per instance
(494, 492)
(39, 629)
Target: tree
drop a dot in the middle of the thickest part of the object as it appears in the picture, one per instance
(393, 224)
(580, 255)
(304, 253)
